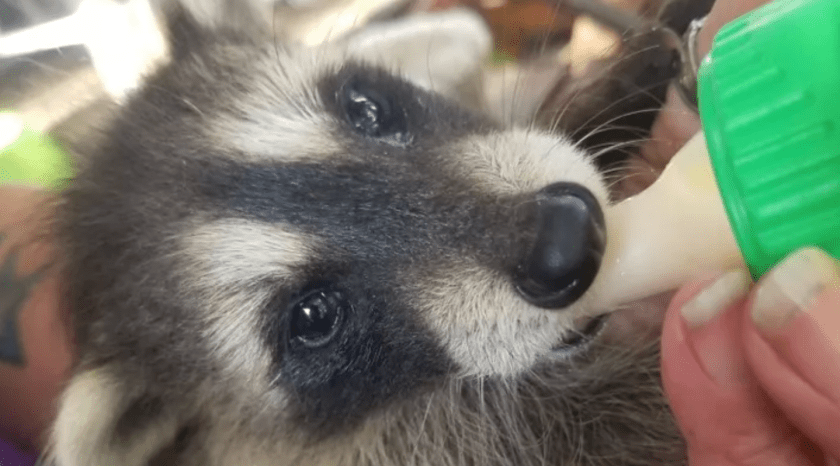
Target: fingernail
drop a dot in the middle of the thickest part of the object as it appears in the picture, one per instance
(792, 286)
(712, 300)
(712, 335)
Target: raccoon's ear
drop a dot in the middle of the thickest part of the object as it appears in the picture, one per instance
(240, 15)
(103, 422)
(189, 23)
(441, 51)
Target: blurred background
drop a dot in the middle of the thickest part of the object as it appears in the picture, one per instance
(65, 63)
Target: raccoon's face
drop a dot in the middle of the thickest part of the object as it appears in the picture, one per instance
(278, 249)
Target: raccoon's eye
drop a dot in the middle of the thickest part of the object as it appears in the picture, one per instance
(373, 114)
(317, 315)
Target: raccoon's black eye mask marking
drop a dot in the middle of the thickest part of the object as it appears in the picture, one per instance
(373, 113)
(317, 315)
(344, 348)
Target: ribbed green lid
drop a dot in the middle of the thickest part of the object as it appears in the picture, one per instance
(769, 94)
(29, 157)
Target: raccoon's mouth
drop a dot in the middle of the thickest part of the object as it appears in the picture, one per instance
(642, 319)
(584, 334)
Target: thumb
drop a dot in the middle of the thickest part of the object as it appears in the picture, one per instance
(726, 418)
(793, 343)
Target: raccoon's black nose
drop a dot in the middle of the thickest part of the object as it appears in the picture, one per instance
(566, 253)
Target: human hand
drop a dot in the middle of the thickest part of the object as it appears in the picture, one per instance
(753, 376)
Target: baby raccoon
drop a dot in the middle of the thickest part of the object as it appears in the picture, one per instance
(288, 256)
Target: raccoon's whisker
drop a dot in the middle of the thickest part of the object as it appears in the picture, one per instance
(618, 145)
(602, 149)
(557, 120)
(615, 103)
(614, 177)
(623, 176)
(646, 91)
(275, 380)
(614, 180)
(516, 83)
(517, 80)
(193, 106)
(429, 75)
(483, 422)
(608, 125)
(421, 428)
(638, 51)
(630, 174)
(571, 100)
(504, 101)
(540, 51)
(275, 33)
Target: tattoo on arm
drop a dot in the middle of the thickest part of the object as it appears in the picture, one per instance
(14, 293)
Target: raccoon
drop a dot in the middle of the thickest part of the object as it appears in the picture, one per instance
(290, 256)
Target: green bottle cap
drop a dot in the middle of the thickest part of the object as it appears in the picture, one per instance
(769, 94)
(27, 157)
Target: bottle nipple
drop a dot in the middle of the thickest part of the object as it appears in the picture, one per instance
(667, 234)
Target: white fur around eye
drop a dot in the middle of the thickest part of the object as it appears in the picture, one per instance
(522, 161)
(279, 116)
(231, 269)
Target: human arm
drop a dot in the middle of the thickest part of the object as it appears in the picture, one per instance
(35, 353)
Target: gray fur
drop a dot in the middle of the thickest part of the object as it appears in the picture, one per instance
(230, 183)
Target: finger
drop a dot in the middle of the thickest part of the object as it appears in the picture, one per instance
(795, 343)
(724, 415)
